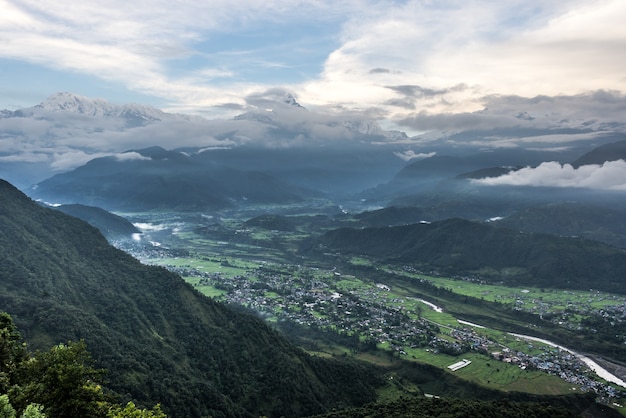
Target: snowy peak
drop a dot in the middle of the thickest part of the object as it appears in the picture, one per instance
(69, 102)
(64, 101)
(371, 127)
(291, 101)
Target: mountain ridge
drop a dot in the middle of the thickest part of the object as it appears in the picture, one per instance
(459, 247)
(160, 340)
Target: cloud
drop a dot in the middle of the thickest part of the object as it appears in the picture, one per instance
(513, 48)
(26, 157)
(515, 121)
(63, 161)
(380, 71)
(611, 175)
(411, 155)
(130, 156)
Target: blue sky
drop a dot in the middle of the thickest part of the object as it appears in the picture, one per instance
(194, 57)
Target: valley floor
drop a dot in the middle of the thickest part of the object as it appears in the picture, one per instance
(335, 306)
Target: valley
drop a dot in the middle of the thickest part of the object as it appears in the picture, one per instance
(344, 305)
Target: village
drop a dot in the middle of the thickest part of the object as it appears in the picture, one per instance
(329, 301)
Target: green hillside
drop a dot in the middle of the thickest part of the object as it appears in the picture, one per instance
(460, 247)
(158, 338)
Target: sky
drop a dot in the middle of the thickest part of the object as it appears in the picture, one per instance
(423, 67)
(400, 59)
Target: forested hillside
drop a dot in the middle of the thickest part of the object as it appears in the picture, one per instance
(158, 338)
(460, 247)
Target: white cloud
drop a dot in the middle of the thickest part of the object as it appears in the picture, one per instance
(130, 156)
(63, 161)
(522, 48)
(611, 175)
(412, 155)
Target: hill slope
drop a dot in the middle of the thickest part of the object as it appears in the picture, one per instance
(110, 225)
(458, 247)
(160, 340)
(572, 219)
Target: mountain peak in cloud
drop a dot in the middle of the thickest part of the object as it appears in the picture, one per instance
(291, 100)
(70, 102)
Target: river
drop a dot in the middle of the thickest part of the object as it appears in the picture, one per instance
(599, 370)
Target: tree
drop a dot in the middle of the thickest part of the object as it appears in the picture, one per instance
(64, 381)
(131, 411)
(33, 411)
(12, 351)
(6, 410)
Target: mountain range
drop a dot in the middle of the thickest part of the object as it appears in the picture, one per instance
(66, 130)
(154, 178)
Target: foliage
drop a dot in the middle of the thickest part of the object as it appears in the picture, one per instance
(6, 410)
(131, 411)
(12, 351)
(62, 379)
(33, 411)
(454, 408)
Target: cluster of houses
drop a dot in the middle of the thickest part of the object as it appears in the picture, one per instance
(315, 299)
(552, 360)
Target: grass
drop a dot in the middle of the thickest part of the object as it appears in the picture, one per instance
(531, 296)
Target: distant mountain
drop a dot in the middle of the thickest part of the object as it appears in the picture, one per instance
(154, 178)
(288, 111)
(488, 172)
(69, 102)
(439, 174)
(460, 247)
(608, 152)
(570, 219)
(112, 226)
(393, 216)
(442, 186)
(339, 172)
(160, 340)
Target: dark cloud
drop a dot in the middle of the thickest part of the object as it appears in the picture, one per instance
(230, 106)
(403, 103)
(380, 71)
(590, 112)
(415, 91)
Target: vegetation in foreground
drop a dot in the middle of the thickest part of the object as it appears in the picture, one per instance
(61, 382)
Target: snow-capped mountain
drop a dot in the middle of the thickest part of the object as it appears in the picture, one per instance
(288, 104)
(96, 107)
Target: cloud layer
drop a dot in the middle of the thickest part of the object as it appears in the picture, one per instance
(611, 176)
